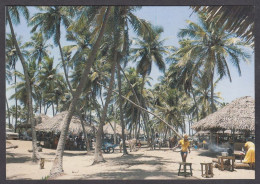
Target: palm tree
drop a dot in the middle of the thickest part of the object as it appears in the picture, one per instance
(149, 50)
(57, 164)
(39, 47)
(12, 58)
(50, 22)
(202, 90)
(209, 46)
(13, 14)
(8, 77)
(237, 19)
(51, 83)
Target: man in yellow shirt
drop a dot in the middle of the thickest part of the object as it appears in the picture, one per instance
(185, 146)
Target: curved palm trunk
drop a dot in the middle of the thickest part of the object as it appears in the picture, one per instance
(98, 157)
(35, 155)
(120, 107)
(57, 167)
(143, 109)
(8, 111)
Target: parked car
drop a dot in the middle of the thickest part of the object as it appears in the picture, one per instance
(11, 135)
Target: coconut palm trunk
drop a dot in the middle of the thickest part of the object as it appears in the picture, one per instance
(121, 108)
(8, 111)
(196, 104)
(15, 99)
(31, 120)
(64, 68)
(57, 167)
(212, 92)
(98, 157)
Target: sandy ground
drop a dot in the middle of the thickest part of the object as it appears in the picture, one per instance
(142, 164)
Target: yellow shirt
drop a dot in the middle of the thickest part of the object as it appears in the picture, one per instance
(184, 145)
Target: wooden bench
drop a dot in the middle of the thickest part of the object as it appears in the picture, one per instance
(184, 172)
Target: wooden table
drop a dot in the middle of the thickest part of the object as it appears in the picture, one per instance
(221, 162)
(241, 156)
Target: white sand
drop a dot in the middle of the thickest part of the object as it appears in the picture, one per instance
(142, 164)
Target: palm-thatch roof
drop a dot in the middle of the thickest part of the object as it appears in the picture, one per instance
(107, 129)
(55, 124)
(205, 132)
(41, 118)
(238, 115)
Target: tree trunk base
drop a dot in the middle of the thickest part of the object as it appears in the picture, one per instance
(98, 157)
(56, 169)
(125, 154)
(97, 162)
(55, 175)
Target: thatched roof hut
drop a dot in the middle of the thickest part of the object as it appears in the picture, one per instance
(55, 124)
(238, 115)
(107, 129)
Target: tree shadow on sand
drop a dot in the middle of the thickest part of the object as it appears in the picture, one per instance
(130, 171)
(17, 158)
(134, 174)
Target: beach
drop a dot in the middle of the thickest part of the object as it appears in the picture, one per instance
(143, 164)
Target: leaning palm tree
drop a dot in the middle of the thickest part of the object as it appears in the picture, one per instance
(12, 58)
(13, 15)
(57, 167)
(210, 46)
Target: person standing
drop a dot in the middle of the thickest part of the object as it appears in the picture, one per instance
(185, 146)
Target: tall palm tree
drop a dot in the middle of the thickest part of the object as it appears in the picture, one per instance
(51, 83)
(49, 22)
(39, 47)
(209, 46)
(150, 49)
(13, 15)
(12, 58)
(57, 164)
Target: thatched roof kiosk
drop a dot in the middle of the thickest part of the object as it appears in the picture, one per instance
(237, 115)
(107, 129)
(55, 124)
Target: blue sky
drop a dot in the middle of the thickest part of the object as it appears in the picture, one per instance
(172, 19)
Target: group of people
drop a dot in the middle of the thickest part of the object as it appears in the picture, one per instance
(77, 142)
